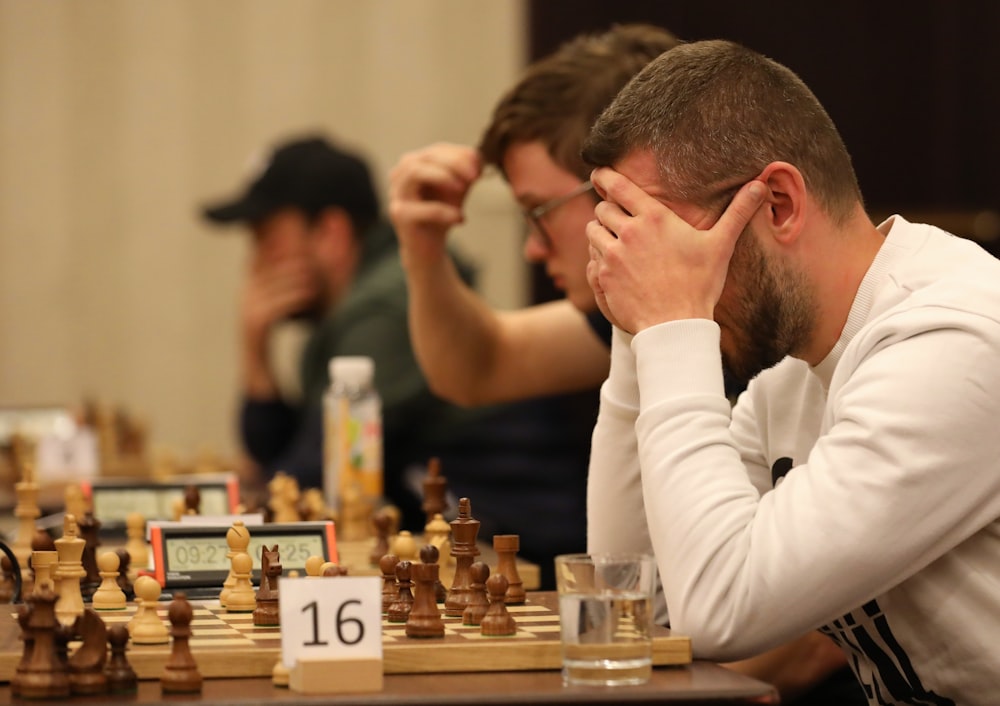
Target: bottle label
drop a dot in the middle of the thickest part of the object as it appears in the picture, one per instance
(353, 448)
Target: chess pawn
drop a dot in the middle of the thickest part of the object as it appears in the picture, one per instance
(478, 603)
(180, 674)
(399, 611)
(280, 674)
(138, 550)
(146, 626)
(237, 539)
(314, 566)
(506, 547)
(380, 523)
(497, 621)
(330, 569)
(387, 565)
(405, 546)
(242, 598)
(109, 595)
(69, 571)
(122, 679)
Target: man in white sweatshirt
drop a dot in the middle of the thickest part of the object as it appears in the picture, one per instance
(855, 486)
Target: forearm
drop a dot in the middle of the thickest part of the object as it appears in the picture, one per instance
(452, 329)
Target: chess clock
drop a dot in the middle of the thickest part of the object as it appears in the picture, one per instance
(188, 555)
(114, 498)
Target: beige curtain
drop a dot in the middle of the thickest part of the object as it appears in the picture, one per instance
(119, 117)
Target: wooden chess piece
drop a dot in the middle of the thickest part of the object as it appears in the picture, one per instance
(86, 666)
(438, 533)
(355, 514)
(464, 530)
(405, 546)
(180, 674)
(498, 620)
(478, 603)
(88, 527)
(284, 497)
(44, 675)
(267, 612)
(122, 679)
(329, 569)
(429, 555)
(387, 565)
(506, 546)
(43, 566)
(138, 549)
(70, 571)
(41, 542)
(27, 645)
(192, 499)
(399, 611)
(381, 521)
(26, 510)
(109, 595)
(241, 598)
(435, 487)
(6, 579)
(424, 619)
(237, 539)
(146, 626)
(124, 578)
(314, 566)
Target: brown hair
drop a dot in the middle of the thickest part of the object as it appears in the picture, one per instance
(559, 97)
(714, 114)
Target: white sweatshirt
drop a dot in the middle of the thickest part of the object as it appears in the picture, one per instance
(885, 531)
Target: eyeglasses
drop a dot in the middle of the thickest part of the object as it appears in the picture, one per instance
(535, 215)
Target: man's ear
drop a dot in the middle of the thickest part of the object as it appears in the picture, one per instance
(786, 206)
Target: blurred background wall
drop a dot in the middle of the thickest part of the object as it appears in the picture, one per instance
(118, 118)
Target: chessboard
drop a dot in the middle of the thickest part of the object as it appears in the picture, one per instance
(230, 645)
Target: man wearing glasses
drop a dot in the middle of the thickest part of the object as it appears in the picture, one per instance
(473, 354)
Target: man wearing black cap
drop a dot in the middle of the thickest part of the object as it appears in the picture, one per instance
(323, 254)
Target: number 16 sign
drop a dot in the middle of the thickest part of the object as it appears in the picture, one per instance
(331, 633)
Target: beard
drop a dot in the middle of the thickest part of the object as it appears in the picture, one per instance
(775, 310)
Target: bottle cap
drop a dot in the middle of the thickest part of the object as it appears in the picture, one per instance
(352, 369)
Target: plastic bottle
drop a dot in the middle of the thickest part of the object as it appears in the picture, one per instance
(352, 464)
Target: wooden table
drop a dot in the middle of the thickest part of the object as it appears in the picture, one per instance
(700, 683)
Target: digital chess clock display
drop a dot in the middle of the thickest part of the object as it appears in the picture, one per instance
(114, 499)
(186, 555)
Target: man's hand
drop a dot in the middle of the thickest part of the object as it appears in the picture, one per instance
(648, 265)
(275, 291)
(427, 189)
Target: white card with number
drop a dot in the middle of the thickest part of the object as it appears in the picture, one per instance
(336, 617)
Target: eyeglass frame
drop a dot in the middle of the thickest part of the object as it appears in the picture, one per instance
(534, 215)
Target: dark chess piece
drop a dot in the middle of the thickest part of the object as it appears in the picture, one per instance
(122, 679)
(382, 523)
(180, 674)
(267, 611)
(124, 582)
(399, 611)
(424, 619)
(86, 666)
(497, 621)
(387, 565)
(45, 675)
(464, 530)
(435, 487)
(192, 500)
(506, 546)
(429, 554)
(478, 603)
(89, 527)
